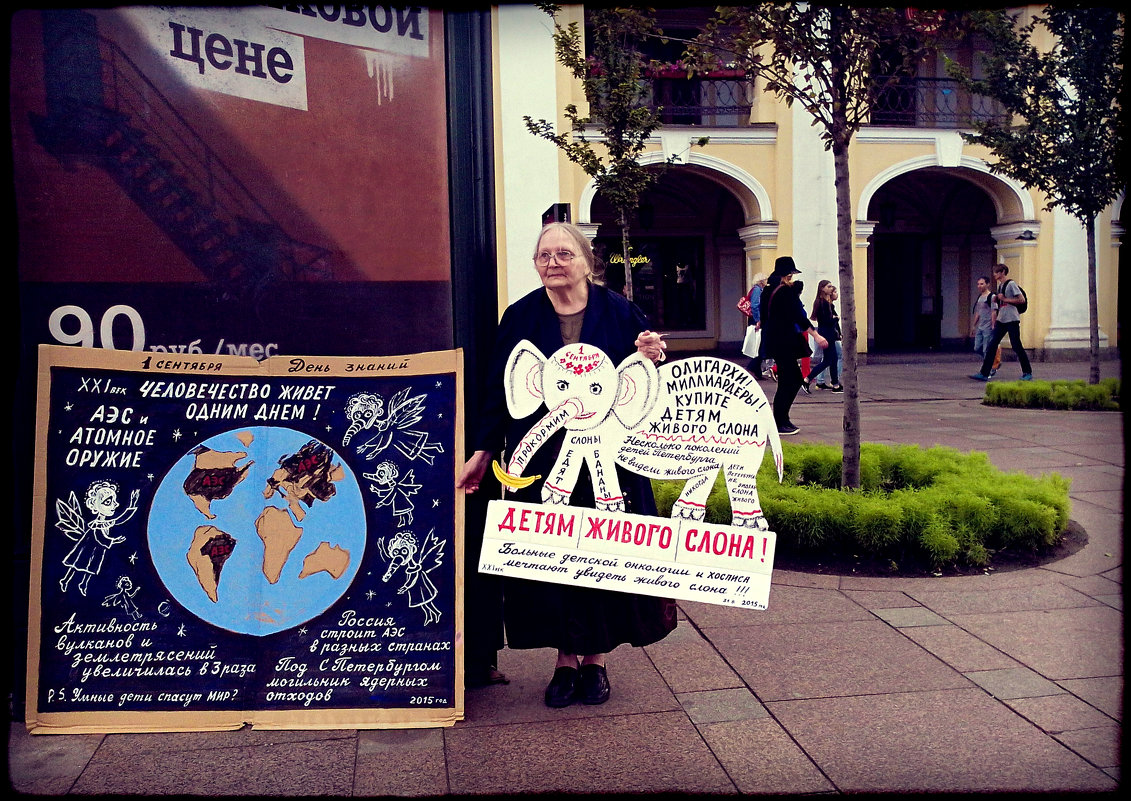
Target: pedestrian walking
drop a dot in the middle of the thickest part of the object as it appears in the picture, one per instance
(1011, 300)
(828, 326)
(787, 329)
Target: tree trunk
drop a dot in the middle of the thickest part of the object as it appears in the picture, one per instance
(850, 466)
(625, 249)
(1093, 305)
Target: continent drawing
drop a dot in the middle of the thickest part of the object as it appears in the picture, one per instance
(242, 558)
(304, 477)
(280, 536)
(213, 477)
(210, 550)
(326, 558)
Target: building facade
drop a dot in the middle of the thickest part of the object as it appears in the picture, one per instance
(929, 215)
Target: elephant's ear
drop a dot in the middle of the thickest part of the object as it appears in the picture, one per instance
(638, 387)
(522, 379)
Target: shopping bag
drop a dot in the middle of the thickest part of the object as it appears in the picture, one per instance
(750, 343)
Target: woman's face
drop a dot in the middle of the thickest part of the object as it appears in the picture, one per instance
(560, 272)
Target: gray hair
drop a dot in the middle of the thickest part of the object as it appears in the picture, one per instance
(596, 273)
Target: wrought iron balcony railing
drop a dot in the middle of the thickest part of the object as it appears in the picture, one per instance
(721, 102)
(726, 102)
(933, 103)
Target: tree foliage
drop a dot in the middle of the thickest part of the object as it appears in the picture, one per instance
(1065, 137)
(1065, 134)
(611, 76)
(835, 61)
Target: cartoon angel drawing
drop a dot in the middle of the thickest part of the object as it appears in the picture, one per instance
(124, 598)
(394, 493)
(402, 551)
(366, 410)
(92, 539)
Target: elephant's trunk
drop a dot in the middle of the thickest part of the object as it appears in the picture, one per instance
(542, 430)
(353, 429)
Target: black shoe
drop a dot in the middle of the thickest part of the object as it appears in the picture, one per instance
(594, 684)
(838, 388)
(788, 430)
(805, 387)
(475, 678)
(562, 689)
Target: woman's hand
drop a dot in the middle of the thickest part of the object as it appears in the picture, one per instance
(474, 471)
(820, 340)
(651, 345)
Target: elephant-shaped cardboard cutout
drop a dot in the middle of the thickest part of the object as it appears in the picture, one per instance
(686, 420)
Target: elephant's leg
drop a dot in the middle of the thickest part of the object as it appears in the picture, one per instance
(742, 486)
(558, 486)
(692, 502)
(606, 484)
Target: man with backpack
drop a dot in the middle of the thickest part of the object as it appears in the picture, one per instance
(1011, 302)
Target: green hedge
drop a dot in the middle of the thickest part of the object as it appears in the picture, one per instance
(935, 506)
(1075, 395)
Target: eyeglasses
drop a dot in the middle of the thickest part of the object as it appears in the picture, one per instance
(563, 257)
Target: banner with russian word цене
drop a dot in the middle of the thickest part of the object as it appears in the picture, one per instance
(219, 541)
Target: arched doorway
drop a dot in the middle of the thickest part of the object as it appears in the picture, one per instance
(687, 256)
(930, 244)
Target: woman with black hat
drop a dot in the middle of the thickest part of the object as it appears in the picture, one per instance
(786, 329)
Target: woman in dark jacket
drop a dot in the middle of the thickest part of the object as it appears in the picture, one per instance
(828, 326)
(582, 624)
(786, 328)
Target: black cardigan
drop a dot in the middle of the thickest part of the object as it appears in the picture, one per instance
(784, 324)
(612, 324)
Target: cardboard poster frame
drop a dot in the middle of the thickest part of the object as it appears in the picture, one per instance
(113, 376)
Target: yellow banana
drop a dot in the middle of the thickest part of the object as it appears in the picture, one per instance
(507, 480)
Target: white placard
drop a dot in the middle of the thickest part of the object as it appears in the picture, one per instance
(672, 558)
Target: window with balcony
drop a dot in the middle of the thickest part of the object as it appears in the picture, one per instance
(721, 98)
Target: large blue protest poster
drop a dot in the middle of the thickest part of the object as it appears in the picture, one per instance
(220, 541)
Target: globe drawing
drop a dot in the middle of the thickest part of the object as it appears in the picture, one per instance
(224, 569)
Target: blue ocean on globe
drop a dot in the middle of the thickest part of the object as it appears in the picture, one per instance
(246, 601)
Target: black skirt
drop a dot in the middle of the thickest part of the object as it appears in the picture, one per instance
(581, 620)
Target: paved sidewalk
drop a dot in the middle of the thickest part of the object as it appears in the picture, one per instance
(1005, 681)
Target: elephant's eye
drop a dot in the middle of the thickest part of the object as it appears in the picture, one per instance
(595, 389)
(562, 386)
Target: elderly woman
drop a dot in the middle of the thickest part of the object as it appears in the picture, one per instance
(755, 298)
(582, 624)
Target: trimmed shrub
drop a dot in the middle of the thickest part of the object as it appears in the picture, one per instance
(876, 524)
(934, 505)
(1075, 395)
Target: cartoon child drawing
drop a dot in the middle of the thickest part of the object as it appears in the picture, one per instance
(402, 551)
(393, 492)
(390, 426)
(93, 539)
(124, 598)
